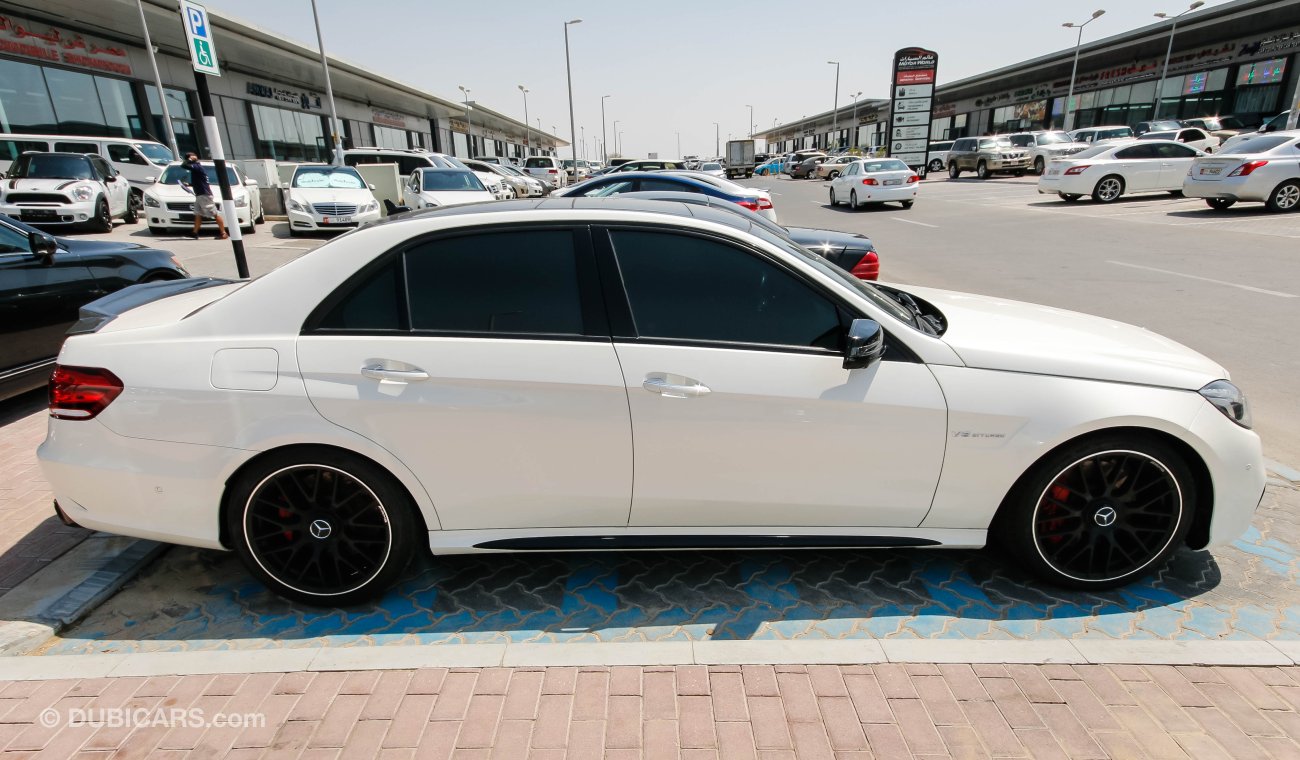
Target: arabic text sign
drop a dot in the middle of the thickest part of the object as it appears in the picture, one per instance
(198, 31)
(29, 39)
(913, 90)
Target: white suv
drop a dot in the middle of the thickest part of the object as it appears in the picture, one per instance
(548, 169)
(1044, 146)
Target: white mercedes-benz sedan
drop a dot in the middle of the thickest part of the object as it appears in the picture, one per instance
(1262, 168)
(490, 377)
(1110, 170)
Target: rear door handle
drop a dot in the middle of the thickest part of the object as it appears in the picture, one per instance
(657, 382)
(377, 372)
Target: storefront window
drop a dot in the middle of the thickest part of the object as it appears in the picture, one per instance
(389, 137)
(76, 103)
(289, 135)
(24, 101)
(121, 117)
(178, 106)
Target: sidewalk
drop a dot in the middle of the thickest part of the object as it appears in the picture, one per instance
(785, 711)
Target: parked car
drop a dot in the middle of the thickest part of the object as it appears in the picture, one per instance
(1162, 125)
(712, 168)
(498, 160)
(874, 181)
(580, 173)
(1102, 134)
(1109, 171)
(509, 186)
(139, 161)
(169, 205)
(407, 160)
(682, 181)
(1191, 136)
(355, 405)
(649, 165)
(1277, 123)
(44, 282)
(323, 197)
(547, 168)
(807, 168)
(769, 167)
(428, 188)
(71, 190)
(1264, 168)
(1044, 146)
(938, 152)
(1222, 127)
(832, 167)
(529, 186)
(793, 160)
(986, 156)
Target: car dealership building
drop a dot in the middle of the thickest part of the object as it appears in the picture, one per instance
(81, 68)
(1235, 58)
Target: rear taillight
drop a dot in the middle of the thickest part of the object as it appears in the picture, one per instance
(1077, 169)
(913, 179)
(80, 393)
(751, 205)
(870, 181)
(764, 204)
(868, 267)
(1245, 169)
(552, 171)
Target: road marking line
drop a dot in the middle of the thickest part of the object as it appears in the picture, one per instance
(1207, 279)
(909, 221)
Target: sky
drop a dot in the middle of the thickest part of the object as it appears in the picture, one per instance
(674, 67)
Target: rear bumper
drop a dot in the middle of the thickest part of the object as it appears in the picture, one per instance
(1228, 188)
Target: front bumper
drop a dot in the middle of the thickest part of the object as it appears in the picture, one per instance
(309, 221)
(1007, 164)
(42, 214)
(1234, 457)
(165, 216)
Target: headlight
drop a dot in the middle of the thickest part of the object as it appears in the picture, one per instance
(1230, 400)
(241, 201)
(366, 208)
(152, 202)
(83, 192)
(296, 206)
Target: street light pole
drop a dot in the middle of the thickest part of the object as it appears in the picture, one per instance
(854, 142)
(527, 139)
(1160, 88)
(604, 147)
(835, 110)
(469, 116)
(568, 73)
(157, 82)
(751, 121)
(336, 127)
(679, 145)
(616, 134)
(717, 139)
(1069, 99)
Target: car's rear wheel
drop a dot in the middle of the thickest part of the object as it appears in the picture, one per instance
(982, 170)
(907, 204)
(953, 171)
(832, 175)
(134, 202)
(1220, 204)
(1101, 513)
(1069, 197)
(853, 199)
(1285, 197)
(1108, 189)
(322, 527)
(936, 165)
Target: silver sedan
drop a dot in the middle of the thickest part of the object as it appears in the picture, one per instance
(1264, 169)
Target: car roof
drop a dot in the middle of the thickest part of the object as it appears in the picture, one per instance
(619, 203)
(64, 153)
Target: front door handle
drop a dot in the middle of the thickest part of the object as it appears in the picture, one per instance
(377, 372)
(658, 382)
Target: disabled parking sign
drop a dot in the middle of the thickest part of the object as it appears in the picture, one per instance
(198, 31)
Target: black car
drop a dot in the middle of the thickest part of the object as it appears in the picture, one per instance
(44, 282)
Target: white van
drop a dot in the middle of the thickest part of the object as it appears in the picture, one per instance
(140, 161)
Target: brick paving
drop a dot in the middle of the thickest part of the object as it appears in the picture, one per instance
(784, 711)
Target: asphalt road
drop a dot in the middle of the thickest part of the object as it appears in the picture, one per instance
(1224, 283)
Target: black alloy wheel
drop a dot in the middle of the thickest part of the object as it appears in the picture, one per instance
(1098, 516)
(134, 202)
(325, 528)
(103, 221)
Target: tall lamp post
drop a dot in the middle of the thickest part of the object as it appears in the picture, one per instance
(854, 126)
(616, 133)
(679, 145)
(336, 126)
(469, 116)
(527, 139)
(717, 139)
(1160, 88)
(618, 143)
(1069, 99)
(751, 121)
(157, 81)
(604, 148)
(568, 73)
(835, 110)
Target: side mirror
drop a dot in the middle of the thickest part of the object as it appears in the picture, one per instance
(42, 245)
(371, 186)
(865, 344)
(250, 183)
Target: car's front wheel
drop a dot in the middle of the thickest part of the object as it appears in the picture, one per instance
(103, 219)
(832, 175)
(834, 202)
(1100, 513)
(982, 170)
(320, 526)
(953, 171)
(1040, 166)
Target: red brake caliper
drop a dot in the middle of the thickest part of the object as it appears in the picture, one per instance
(1062, 494)
(284, 515)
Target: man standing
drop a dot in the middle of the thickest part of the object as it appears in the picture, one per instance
(204, 205)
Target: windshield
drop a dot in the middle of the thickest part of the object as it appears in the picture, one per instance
(1163, 125)
(888, 165)
(1052, 138)
(999, 142)
(1261, 144)
(451, 180)
(156, 153)
(178, 174)
(337, 177)
(1227, 122)
(1159, 136)
(711, 167)
(54, 166)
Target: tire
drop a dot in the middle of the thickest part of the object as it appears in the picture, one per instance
(1285, 197)
(1057, 525)
(157, 231)
(1040, 166)
(357, 541)
(133, 204)
(936, 165)
(832, 176)
(103, 221)
(1220, 204)
(1108, 189)
(1069, 197)
(907, 204)
(982, 170)
(834, 202)
(261, 216)
(953, 171)
(251, 229)
(293, 232)
(1176, 193)
(853, 200)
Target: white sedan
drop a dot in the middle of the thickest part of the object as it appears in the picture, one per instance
(1262, 168)
(169, 205)
(1192, 137)
(875, 180)
(1110, 170)
(325, 197)
(488, 378)
(427, 188)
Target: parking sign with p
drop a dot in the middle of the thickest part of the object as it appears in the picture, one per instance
(198, 31)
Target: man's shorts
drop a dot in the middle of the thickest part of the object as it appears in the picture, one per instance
(205, 207)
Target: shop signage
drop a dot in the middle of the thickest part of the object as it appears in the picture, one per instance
(54, 45)
(459, 126)
(912, 86)
(388, 118)
(307, 101)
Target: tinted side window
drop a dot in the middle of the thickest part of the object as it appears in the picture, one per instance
(689, 288)
(496, 282)
(76, 147)
(13, 241)
(12, 149)
(123, 154)
(1136, 151)
(1175, 151)
(668, 185)
(374, 303)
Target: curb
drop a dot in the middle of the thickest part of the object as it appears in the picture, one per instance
(69, 588)
(855, 652)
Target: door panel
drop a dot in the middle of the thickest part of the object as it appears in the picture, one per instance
(38, 301)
